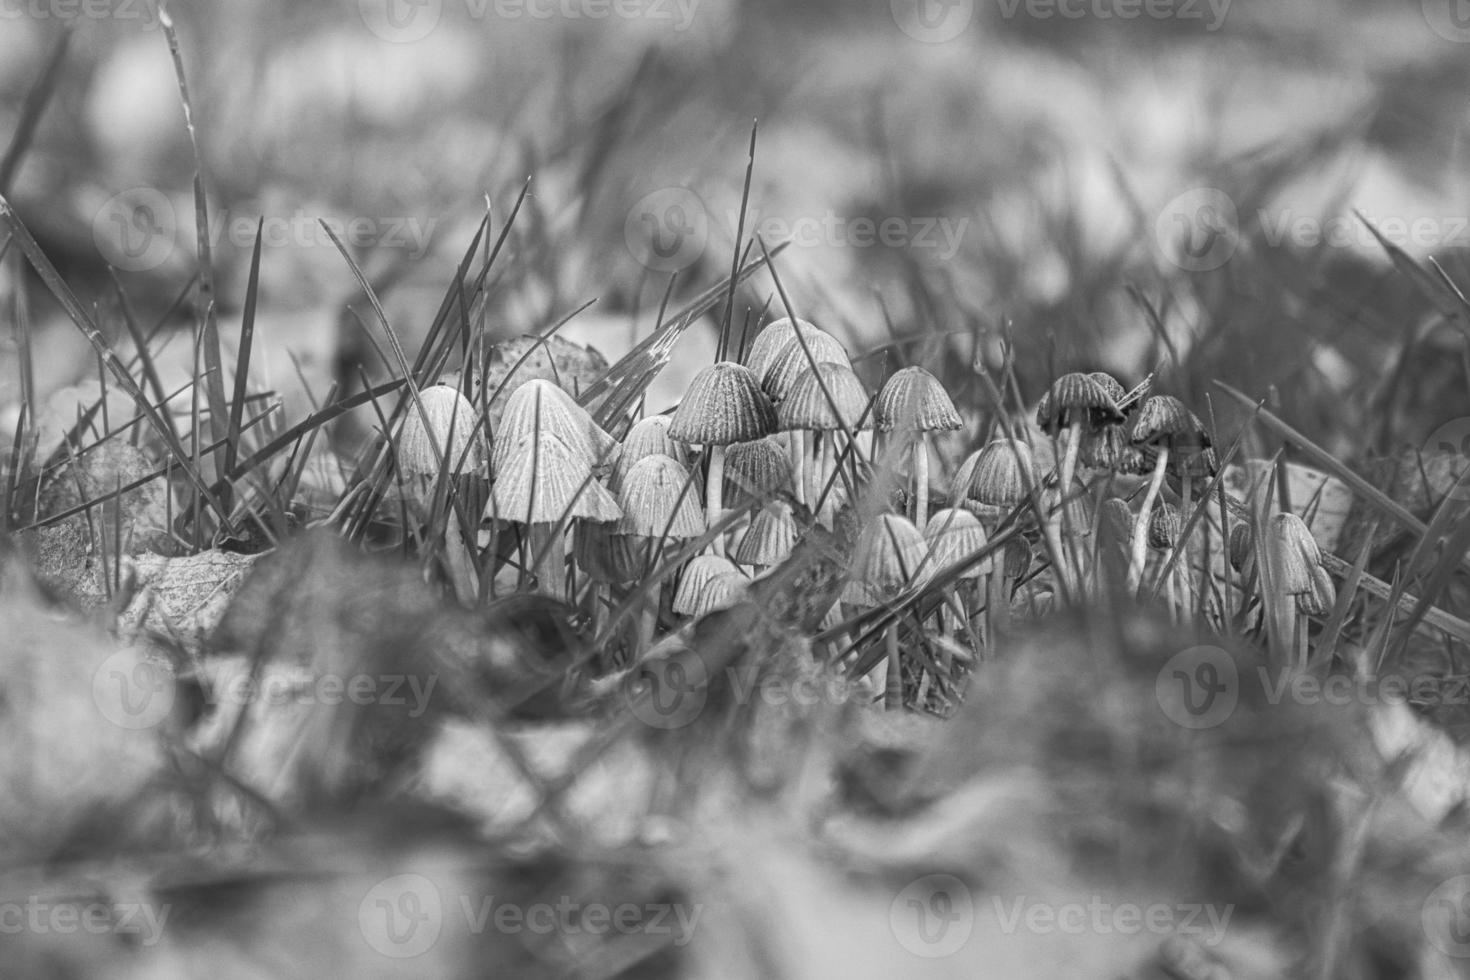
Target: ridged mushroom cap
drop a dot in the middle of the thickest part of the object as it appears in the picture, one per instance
(721, 592)
(890, 551)
(760, 468)
(696, 578)
(603, 555)
(1294, 552)
(1076, 399)
(913, 400)
(658, 494)
(1109, 384)
(646, 437)
(959, 488)
(1241, 548)
(1164, 526)
(806, 405)
(769, 538)
(776, 335)
(539, 402)
(542, 479)
(954, 534)
(1319, 599)
(790, 362)
(1165, 420)
(451, 418)
(1002, 473)
(1104, 448)
(724, 405)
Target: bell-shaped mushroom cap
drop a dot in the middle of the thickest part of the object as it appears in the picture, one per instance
(776, 335)
(696, 578)
(959, 488)
(913, 400)
(1319, 600)
(806, 406)
(791, 361)
(1164, 526)
(1002, 473)
(724, 404)
(560, 415)
(451, 420)
(648, 436)
(889, 554)
(1294, 554)
(657, 496)
(1109, 384)
(721, 592)
(1165, 420)
(954, 534)
(543, 479)
(769, 538)
(1076, 399)
(603, 555)
(760, 469)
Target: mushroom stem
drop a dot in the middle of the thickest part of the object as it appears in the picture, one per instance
(921, 480)
(893, 696)
(714, 490)
(798, 464)
(461, 565)
(1181, 563)
(1140, 530)
(997, 603)
(549, 554)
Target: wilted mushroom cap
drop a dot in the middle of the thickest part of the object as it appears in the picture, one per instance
(657, 496)
(913, 400)
(724, 405)
(1241, 548)
(1319, 599)
(538, 402)
(1109, 384)
(1295, 553)
(890, 552)
(1076, 399)
(954, 534)
(806, 406)
(696, 578)
(760, 468)
(1104, 448)
(769, 342)
(1165, 420)
(790, 362)
(451, 420)
(543, 479)
(1164, 526)
(1002, 473)
(769, 538)
(603, 555)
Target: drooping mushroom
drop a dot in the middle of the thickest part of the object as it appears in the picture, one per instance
(724, 405)
(890, 555)
(1163, 426)
(441, 439)
(827, 400)
(913, 404)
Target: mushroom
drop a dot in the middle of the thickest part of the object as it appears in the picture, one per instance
(659, 502)
(720, 591)
(757, 471)
(889, 556)
(1293, 561)
(770, 341)
(438, 437)
(954, 535)
(999, 481)
(724, 405)
(769, 538)
(825, 400)
(914, 403)
(1164, 527)
(690, 597)
(1075, 406)
(646, 437)
(1163, 426)
(539, 405)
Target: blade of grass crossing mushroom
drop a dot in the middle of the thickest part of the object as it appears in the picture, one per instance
(739, 237)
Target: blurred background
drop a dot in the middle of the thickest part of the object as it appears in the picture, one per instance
(1173, 185)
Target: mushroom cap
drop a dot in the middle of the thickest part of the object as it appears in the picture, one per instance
(1002, 473)
(769, 538)
(540, 402)
(1295, 553)
(1165, 525)
(1320, 598)
(790, 362)
(1165, 420)
(1076, 399)
(1114, 527)
(543, 479)
(646, 437)
(760, 468)
(696, 578)
(1109, 384)
(603, 555)
(776, 335)
(954, 534)
(720, 592)
(1241, 548)
(959, 488)
(1104, 448)
(451, 420)
(724, 404)
(890, 551)
(913, 400)
(658, 495)
(806, 405)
